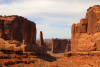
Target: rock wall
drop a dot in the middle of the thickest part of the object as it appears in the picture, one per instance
(86, 33)
(19, 28)
(60, 45)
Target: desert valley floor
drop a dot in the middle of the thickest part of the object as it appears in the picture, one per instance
(49, 60)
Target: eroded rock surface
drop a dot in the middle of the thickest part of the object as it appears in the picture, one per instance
(17, 28)
(60, 45)
(14, 29)
(86, 34)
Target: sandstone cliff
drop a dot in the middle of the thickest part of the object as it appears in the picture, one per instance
(17, 28)
(86, 34)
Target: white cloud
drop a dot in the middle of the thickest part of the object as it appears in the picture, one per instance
(54, 31)
(27, 7)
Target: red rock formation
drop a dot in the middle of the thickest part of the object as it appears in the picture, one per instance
(17, 28)
(42, 44)
(41, 38)
(23, 46)
(59, 45)
(86, 34)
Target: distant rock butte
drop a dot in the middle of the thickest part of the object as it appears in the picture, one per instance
(16, 29)
(60, 45)
(86, 34)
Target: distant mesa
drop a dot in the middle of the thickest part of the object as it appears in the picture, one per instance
(60, 45)
(86, 34)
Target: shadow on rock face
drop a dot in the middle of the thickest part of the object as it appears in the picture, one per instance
(46, 57)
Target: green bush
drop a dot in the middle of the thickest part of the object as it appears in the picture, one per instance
(19, 65)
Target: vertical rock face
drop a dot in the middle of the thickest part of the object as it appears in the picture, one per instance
(93, 16)
(42, 44)
(17, 28)
(86, 34)
(60, 45)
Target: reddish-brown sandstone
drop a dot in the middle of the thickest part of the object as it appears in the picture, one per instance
(17, 28)
(86, 34)
(14, 29)
(60, 45)
(42, 44)
(5, 45)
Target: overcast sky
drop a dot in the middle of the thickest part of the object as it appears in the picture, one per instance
(53, 17)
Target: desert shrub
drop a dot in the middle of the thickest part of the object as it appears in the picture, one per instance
(24, 66)
(58, 57)
(14, 59)
(1, 64)
(6, 66)
(48, 52)
(19, 65)
(32, 59)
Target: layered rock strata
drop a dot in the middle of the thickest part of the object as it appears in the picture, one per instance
(86, 33)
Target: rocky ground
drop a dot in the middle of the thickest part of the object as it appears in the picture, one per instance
(13, 59)
(30, 59)
(77, 61)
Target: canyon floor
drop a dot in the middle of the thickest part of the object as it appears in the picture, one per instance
(30, 59)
